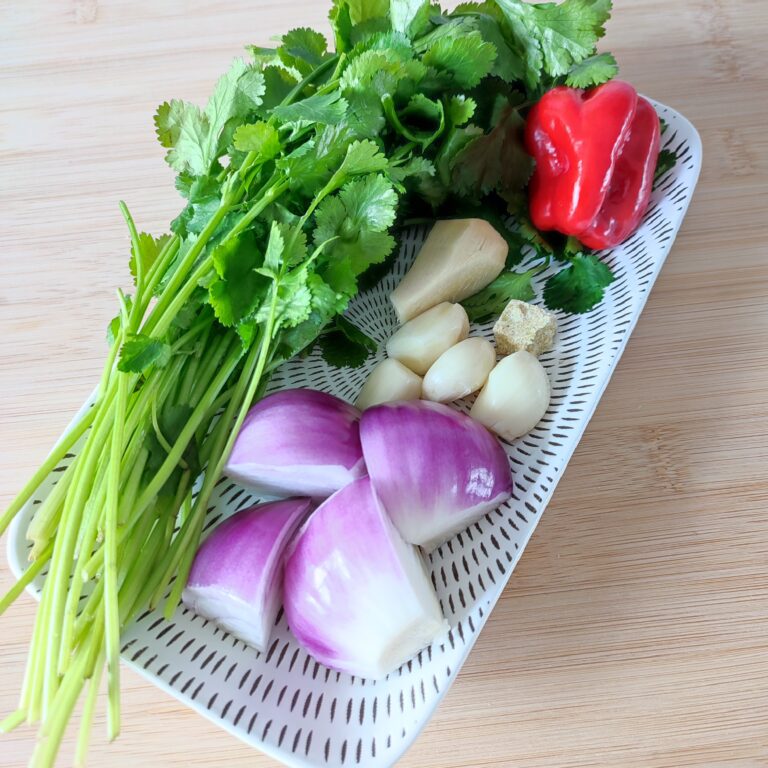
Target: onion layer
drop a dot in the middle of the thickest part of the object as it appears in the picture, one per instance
(298, 442)
(435, 470)
(357, 597)
(237, 576)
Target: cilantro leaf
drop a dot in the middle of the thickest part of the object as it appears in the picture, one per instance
(507, 65)
(414, 166)
(341, 23)
(351, 258)
(331, 160)
(115, 324)
(410, 17)
(238, 289)
(139, 352)
(307, 167)
(258, 137)
(592, 71)
(365, 115)
(333, 140)
(460, 109)
(355, 222)
(362, 157)
(370, 202)
(195, 216)
(289, 291)
(369, 72)
(293, 301)
(183, 129)
(467, 59)
(666, 162)
(195, 138)
(325, 302)
(278, 83)
(322, 108)
(422, 120)
(236, 95)
(486, 19)
(490, 302)
(496, 161)
(435, 188)
(383, 71)
(580, 286)
(273, 258)
(303, 49)
(264, 57)
(344, 345)
(365, 10)
(367, 203)
(295, 240)
(551, 38)
(149, 249)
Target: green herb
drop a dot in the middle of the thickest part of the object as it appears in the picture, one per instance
(344, 345)
(592, 71)
(580, 286)
(490, 302)
(666, 162)
(554, 38)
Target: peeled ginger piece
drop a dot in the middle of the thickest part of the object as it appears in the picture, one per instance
(459, 258)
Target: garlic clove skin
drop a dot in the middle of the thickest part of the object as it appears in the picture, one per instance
(389, 382)
(515, 396)
(422, 340)
(460, 370)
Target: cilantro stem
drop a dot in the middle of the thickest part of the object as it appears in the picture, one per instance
(309, 79)
(53, 728)
(193, 366)
(27, 577)
(201, 409)
(88, 528)
(266, 200)
(14, 720)
(89, 707)
(169, 302)
(157, 271)
(138, 260)
(220, 456)
(61, 565)
(216, 440)
(111, 614)
(43, 524)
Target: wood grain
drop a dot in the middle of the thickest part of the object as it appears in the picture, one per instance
(640, 605)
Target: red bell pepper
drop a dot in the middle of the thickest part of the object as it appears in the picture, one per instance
(595, 153)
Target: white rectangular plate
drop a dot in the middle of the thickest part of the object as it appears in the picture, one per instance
(296, 710)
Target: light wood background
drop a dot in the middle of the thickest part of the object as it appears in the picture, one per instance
(639, 612)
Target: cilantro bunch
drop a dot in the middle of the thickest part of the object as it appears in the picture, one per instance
(295, 176)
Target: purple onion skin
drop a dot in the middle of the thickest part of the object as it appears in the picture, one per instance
(352, 585)
(435, 469)
(236, 578)
(298, 441)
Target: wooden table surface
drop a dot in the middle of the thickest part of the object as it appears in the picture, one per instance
(641, 605)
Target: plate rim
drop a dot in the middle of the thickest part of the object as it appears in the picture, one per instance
(294, 759)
